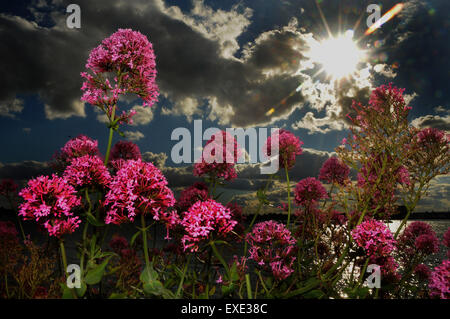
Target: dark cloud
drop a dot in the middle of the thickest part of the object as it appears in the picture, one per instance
(158, 159)
(48, 60)
(436, 121)
(24, 170)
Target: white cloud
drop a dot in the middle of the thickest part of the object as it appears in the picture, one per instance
(143, 116)
(9, 108)
(133, 135)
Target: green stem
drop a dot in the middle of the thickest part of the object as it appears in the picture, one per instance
(111, 133)
(180, 286)
(249, 287)
(144, 239)
(64, 260)
(219, 256)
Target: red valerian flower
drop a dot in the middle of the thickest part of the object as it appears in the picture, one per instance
(75, 147)
(139, 188)
(191, 195)
(374, 237)
(219, 156)
(273, 248)
(308, 191)
(203, 220)
(87, 171)
(125, 150)
(129, 56)
(51, 201)
(289, 146)
(334, 171)
(439, 283)
(418, 237)
(422, 271)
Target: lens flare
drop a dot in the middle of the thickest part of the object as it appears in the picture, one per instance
(339, 56)
(385, 18)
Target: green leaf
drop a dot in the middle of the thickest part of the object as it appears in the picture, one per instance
(148, 275)
(66, 292)
(154, 287)
(228, 289)
(314, 294)
(133, 239)
(234, 273)
(262, 196)
(94, 276)
(93, 221)
(115, 295)
(82, 290)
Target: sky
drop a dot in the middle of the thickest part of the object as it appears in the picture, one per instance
(244, 63)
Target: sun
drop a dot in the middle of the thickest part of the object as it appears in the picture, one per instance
(339, 56)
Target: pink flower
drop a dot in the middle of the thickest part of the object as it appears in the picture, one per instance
(403, 176)
(129, 56)
(430, 136)
(273, 248)
(439, 283)
(118, 243)
(422, 271)
(427, 243)
(219, 155)
(203, 220)
(192, 194)
(125, 150)
(334, 171)
(289, 146)
(87, 171)
(374, 237)
(50, 201)
(75, 147)
(308, 191)
(139, 188)
(386, 95)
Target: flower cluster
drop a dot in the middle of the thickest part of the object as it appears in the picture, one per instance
(418, 237)
(192, 194)
(219, 155)
(51, 201)
(129, 56)
(289, 146)
(386, 96)
(439, 284)
(429, 136)
(87, 171)
(273, 247)
(202, 220)
(75, 147)
(125, 150)
(308, 191)
(374, 237)
(138, 188)
(422, 271)
(334, 171)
